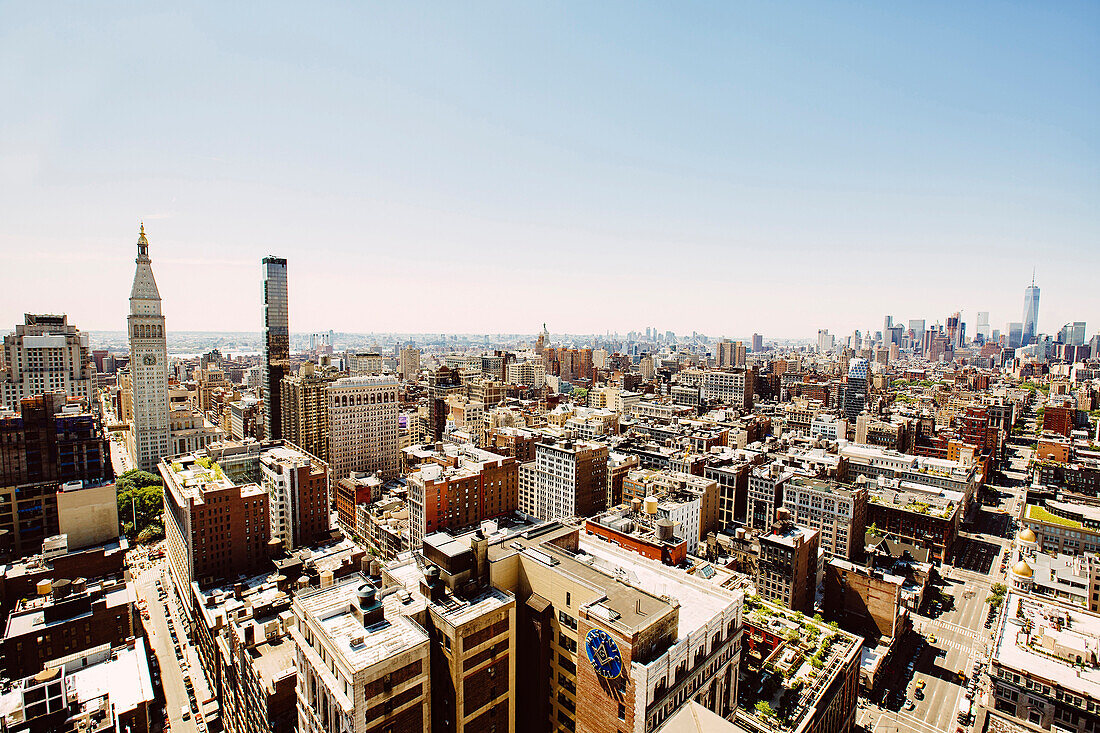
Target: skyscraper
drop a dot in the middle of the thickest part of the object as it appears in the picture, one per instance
(148, 437)
(276, 362)
(982, 329)
(1031, 312)
(855, 391)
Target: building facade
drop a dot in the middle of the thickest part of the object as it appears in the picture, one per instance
(276, 356)
(362, 426)
(149, 431)
(45, 354)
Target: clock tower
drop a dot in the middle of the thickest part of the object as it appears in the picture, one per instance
(148, 437)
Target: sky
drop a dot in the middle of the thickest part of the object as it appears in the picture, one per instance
(726, 168)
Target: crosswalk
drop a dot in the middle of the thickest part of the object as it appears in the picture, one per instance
(953, 644)
(957, 629)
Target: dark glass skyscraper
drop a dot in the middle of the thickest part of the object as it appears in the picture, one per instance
(855, 391)
(276, 362)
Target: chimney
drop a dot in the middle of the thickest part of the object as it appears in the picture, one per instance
(480, 546)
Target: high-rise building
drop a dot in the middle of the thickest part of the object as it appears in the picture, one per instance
(216, 520)
(1015, 335)
(837, 512)
(408, 363)
(362, 427)
(855, 390)
(825, 341)
(569, 480)
(787, 571)
(304, 406)
(459, 487)
(276, 360)
(149, 431)
(735, 387)
(48, 443)
(364, 364)
(1072, 334)
(45, 354)
(297, 491)
(384, 678)
(1031, 313)
(757, 343)
(981, 330)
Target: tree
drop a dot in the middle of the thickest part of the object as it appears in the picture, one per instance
(764, 709)
(998, 589)
(140, 497)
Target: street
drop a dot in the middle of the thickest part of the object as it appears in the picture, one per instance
(177, 672)
(954, 638)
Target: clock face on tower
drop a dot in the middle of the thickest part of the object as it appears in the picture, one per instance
(149, 360)
(603, 653)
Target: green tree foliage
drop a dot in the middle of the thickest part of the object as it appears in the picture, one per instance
(764, 709)
(140, 494)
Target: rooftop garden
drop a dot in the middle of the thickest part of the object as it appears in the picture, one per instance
(793, 670)
(1038, 513)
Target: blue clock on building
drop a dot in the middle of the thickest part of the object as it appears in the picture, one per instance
(603, 653)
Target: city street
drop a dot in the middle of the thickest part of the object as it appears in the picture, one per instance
(174, 670)
(956, 637)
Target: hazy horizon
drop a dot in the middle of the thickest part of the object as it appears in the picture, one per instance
(486, 167)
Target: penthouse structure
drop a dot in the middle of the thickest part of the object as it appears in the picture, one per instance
(45, 354)
(460, 486)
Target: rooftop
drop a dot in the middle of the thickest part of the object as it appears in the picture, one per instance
(1044, 639)
(359, 646)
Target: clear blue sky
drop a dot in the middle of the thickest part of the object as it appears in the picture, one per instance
(724, 167)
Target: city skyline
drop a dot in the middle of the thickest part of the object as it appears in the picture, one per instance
(931, 158)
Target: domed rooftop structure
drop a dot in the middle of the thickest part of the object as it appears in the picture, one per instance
(1022, 569)
(1027, 535)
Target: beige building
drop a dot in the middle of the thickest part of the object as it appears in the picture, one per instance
(364, 364)
(361, 666)
(362, 426)
(87, 514)
(408, 363)
(45, 354)
(838, 513)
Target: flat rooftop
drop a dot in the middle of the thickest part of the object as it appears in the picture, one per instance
(698, 603)
(124, 676)
(456, 610)
(1059, 634)
(331, 607)
(636, 608)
